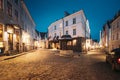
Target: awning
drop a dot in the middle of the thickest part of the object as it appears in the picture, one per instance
(66, 37)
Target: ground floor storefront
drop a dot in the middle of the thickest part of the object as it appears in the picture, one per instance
(14, 40)
(76, 44)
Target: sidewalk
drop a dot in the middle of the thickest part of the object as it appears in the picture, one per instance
(2, 58)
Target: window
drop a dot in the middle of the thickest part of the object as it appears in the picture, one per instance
(9, 9)
(16, 15)
(117, 24)
(74, 31)
(16, 1)
(74, 42)
(66, 32)
(1, 32)
(54, 27)
(112, 27)
(112, 47)
(74, 20)
(117, 36)
(68, 43)
(60, 25)
(1, 4)
(113, 37)
(55, 34)
(66, 23)
(60, 34)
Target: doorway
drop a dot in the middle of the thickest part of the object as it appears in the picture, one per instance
(10, 41)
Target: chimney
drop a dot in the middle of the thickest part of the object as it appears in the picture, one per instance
(66, 13)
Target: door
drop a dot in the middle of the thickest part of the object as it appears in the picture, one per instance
(10, 41)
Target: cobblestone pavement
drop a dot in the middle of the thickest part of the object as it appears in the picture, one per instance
(45, 65)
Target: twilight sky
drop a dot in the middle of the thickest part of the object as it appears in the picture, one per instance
(44, 12)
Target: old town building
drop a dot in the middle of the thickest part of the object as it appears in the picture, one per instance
(70, 32)
(110, 35)
(16, 27)
(115, 32)
(42, 41)
(105, 35)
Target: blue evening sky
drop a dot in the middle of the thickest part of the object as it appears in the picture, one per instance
(44, 12)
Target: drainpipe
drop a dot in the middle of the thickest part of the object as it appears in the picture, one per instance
(85, 38)
(63, 25)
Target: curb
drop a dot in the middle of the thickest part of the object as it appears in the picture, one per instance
(11, 57)
(14, 56)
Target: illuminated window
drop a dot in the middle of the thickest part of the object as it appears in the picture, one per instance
(74, 42)
(1, 4)
(9, 9)
(1, 32)
(10, 29)
(69, 43)
(17, 35)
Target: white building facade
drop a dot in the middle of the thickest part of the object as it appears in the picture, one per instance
(76, 25)
(16, 26)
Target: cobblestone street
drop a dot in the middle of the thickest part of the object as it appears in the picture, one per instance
(46, 65)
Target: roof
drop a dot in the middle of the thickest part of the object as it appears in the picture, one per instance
(37, 32)
(67, 16)
(27, 12)
(43, 35)
(116, 16)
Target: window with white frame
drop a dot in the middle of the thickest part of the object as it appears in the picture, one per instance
(66, 23)
(74, 20)
(74, 31)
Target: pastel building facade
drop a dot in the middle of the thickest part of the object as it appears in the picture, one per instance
(15, 22)
(69, 32)
(110, 35)
(42, 41)
(115, 32)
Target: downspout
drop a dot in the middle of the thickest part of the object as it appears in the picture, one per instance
(63, 25)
